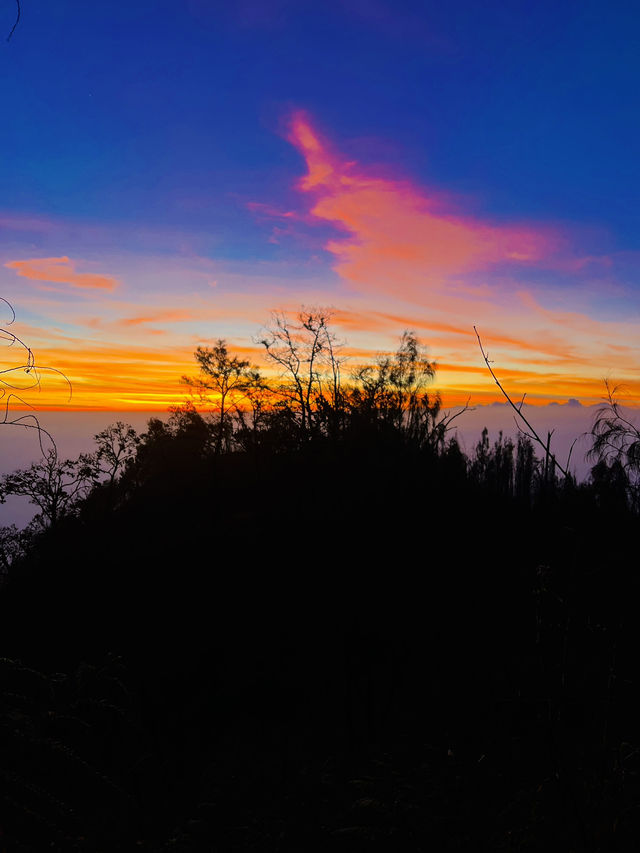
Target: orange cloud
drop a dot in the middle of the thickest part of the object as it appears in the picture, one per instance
(171, 316)
(544, 342)
(147, 377)
(399, 237)
(61, 271)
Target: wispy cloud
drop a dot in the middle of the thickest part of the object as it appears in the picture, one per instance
(170, 316)
(61, 271)
(399, 237)
(270, 211)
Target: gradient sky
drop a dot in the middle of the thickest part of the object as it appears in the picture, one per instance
(171, 172)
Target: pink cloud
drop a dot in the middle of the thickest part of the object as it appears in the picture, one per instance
(270, 211)
(399, 238)
(62, 271)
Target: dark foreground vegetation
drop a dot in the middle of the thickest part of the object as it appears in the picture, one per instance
(308, 622)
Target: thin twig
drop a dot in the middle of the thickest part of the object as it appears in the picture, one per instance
(447, 419)
(571, 450)
(8, 385)
(13, 28)
(10, 307)
(518, 411)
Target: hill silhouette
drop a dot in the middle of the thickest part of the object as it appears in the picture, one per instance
(312, 622)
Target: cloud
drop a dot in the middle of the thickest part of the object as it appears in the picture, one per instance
(61, 271)
(545, 342)
(170, 316)
(269, 211)
(400, 238)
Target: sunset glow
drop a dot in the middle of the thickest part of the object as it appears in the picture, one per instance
(143, 216)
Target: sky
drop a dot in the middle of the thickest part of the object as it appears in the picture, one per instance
(173, 172)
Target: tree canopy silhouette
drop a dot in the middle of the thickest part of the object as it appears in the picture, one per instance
(53, 485)
(306, 354)
(225, 382)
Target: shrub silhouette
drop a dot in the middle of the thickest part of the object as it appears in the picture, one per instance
(616, 446)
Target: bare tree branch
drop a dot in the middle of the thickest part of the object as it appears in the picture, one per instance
(518, 410)
(11, 381)
(13, 29)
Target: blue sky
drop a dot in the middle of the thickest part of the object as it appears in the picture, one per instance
(531, 108)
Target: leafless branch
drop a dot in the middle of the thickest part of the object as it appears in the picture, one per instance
(13, 29)
(11, 381)
(448, 419)
(518, 410)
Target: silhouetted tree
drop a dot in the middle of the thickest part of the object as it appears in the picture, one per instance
(391, 394)
(225, 382)
(12, 547)
(616, 441)
(389, 389)
(117, 446)
(306, 353)
(55, 487)
(610, 482)
(525, 469)
(256, 416)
